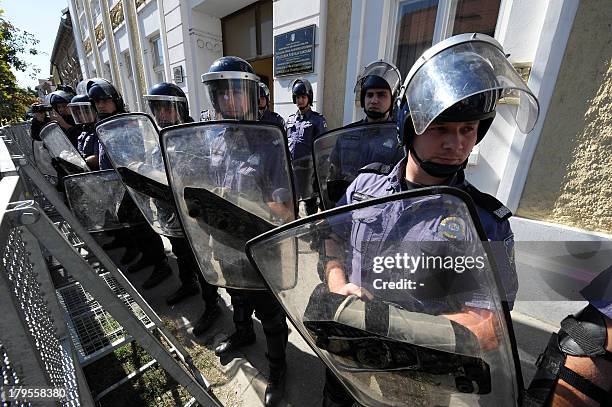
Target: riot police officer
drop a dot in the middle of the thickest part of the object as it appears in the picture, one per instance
(84, 116)
(108, 102)
(167, 103)
(60, 112)
(232, 87)
(265, 114)
(440, 119)
(359, 145)
(40, 118)
(303, 127)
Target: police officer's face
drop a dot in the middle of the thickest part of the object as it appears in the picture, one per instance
(377, 100)
(301, 101)
(40, 116)
(262, 102)
(447, 143)
(105, 106)
(165, 113)
(62, 109)
(233, 104)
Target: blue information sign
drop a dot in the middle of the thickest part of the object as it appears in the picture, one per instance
(294, 51)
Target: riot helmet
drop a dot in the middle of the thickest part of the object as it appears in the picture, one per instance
(459, 80)
(167, 104)
(59, 100)
(264, 92)
(231, 89)
(299, 87)
(101, 89)
(377, 75)
(82, 110)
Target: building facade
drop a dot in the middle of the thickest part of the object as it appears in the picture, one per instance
(559, 173)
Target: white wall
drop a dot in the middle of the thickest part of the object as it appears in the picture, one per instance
(288, 17)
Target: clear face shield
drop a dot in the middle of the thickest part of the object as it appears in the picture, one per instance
(231, 95)
(166, 110)
(83, 112)
(463, 66)
(384, 70)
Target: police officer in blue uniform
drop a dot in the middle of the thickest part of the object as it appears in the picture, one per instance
(265, 114)
(303, 127)
(84, 116)
(60, 112)
(108, 102)
(229, 85)
(168, 105)
(440, 119)
(376, 90)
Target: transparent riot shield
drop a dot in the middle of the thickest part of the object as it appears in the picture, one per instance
(303, 177)
(60, 149)
(340, 154)
(99, 201)
(402, 300)
(231, 182)
(131, 142)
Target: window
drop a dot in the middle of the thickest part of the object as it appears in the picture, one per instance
(422, 23)
(157, 53)
(247, 33)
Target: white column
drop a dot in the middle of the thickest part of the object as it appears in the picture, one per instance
(129, 11)
(92, 38)
(78, 39)
(110, 44)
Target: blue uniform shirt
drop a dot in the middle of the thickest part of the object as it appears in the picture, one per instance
(302, 130)
(495, 223)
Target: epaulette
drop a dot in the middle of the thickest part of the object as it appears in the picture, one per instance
(489, 203)
(376, 168)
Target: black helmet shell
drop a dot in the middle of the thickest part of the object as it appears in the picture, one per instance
(102, 89)
(302, 86)
(231, 64)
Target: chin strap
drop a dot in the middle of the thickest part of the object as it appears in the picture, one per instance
(435, 169)
(583, 335)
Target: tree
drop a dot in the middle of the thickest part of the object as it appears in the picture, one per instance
(14, 100)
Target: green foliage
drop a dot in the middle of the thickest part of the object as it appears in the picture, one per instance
(14, 100)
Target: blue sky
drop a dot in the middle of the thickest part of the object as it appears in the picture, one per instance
(41, 18)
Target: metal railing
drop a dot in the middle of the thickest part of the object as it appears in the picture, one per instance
(66, 240)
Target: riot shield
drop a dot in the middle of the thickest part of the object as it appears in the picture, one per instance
(231, 182)
(99, 201)
(131, 142)
(60, 149)
(403, 301)
(339, 155)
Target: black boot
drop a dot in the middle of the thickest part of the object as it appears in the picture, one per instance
(183, 292)
(276, 384)
(161, 272)
(240, 338)
(209, 316)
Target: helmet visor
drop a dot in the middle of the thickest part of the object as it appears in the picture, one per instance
(82, 112)
(382, 69)
(166, 110)
(236, 99)
(464, 70)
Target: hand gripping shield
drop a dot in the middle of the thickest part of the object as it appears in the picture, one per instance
(231, 182)
(338, 156)
(406, 307)
(100, 202)
(60, 149)
(132, 145)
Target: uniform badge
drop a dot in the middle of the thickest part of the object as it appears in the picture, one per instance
(254, 159)
(452, 228)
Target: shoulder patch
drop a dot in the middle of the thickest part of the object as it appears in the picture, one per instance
(376, 168)
(489, 203)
